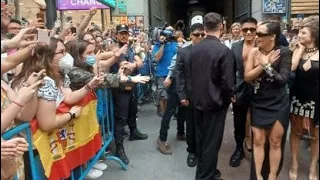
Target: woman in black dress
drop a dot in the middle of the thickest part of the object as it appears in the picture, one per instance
(268, 68)
(305, 96)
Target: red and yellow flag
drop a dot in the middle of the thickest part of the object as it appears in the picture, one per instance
(72, 145)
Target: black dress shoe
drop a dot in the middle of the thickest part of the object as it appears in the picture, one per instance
(192, 160)
(236, 158)
(217, 175)
(137, 135)
(120, 153)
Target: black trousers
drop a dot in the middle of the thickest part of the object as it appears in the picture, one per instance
(172, 103)
(239, 123)
(187, 114)
(209, 135)
(125, 111)
(266, 164)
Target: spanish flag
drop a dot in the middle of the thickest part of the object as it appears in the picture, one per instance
(62, 150)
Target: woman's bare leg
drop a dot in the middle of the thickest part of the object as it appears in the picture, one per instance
(295, 147)
(259, 140)
(275, 139)
(315, 155)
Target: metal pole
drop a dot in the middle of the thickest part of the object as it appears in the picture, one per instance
(288, 13)
(103, 19)
(62, 19)
(17, 13)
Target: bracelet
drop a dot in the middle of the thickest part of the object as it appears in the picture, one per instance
(18, 104)
(88, 87)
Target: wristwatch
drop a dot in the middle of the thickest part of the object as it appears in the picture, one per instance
(72, 115)
(129, 79)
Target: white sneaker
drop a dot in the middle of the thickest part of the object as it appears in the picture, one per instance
(94, 174)
(100, 166)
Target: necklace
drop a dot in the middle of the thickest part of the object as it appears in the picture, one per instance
(309, 50)
(309, 56)
(264, 52)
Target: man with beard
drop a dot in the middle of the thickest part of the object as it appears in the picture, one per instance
(213, 81)
(125, 97)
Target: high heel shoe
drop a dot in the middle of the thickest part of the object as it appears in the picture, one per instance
(293, 175)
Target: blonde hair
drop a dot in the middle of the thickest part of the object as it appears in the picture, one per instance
(232, 26)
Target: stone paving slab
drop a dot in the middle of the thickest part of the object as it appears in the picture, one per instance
(147, 163)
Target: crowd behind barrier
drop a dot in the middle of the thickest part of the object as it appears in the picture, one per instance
(106, 123)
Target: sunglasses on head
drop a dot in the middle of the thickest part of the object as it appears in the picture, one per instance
(199, 34)
(259, 34)
(245, 30)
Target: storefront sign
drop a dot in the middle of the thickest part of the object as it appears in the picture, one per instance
(132, 21)
(274, 6)
(79, 5)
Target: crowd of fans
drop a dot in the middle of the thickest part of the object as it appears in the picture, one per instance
(43, 69)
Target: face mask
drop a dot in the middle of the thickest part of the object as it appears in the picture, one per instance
(90, 60)
(66, 63)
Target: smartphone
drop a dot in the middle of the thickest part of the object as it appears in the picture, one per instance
(73, 30)
(43, 36)
(98, 70)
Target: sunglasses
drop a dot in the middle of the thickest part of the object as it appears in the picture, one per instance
(259, 34)
(199, 34)
(245, 30)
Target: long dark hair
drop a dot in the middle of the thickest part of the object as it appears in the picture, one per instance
(42, 59)
(273, 28)
(76, 49)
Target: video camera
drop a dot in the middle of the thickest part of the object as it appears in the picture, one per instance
(167, 33)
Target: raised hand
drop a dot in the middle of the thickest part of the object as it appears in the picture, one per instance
(93, 11)
(71, 37)
(22, 38)
(34, 77)
(25, 93)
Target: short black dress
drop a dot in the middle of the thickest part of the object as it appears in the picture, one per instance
(305, 92)
(271, 93)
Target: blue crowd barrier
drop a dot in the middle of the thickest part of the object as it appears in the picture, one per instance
(79, 173)
(15, 131)
(107, 130)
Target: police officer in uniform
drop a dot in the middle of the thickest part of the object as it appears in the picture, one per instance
(125, 97)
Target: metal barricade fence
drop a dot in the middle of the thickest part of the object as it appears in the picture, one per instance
(107, 133)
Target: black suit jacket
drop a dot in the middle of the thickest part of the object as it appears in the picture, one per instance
(244, 90)
(183, 73)
(213, 75)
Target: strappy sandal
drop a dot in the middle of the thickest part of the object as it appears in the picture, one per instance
(292, 175)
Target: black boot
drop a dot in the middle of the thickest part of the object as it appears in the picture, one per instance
(121, 154)
(236, 157)
(135, 134)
